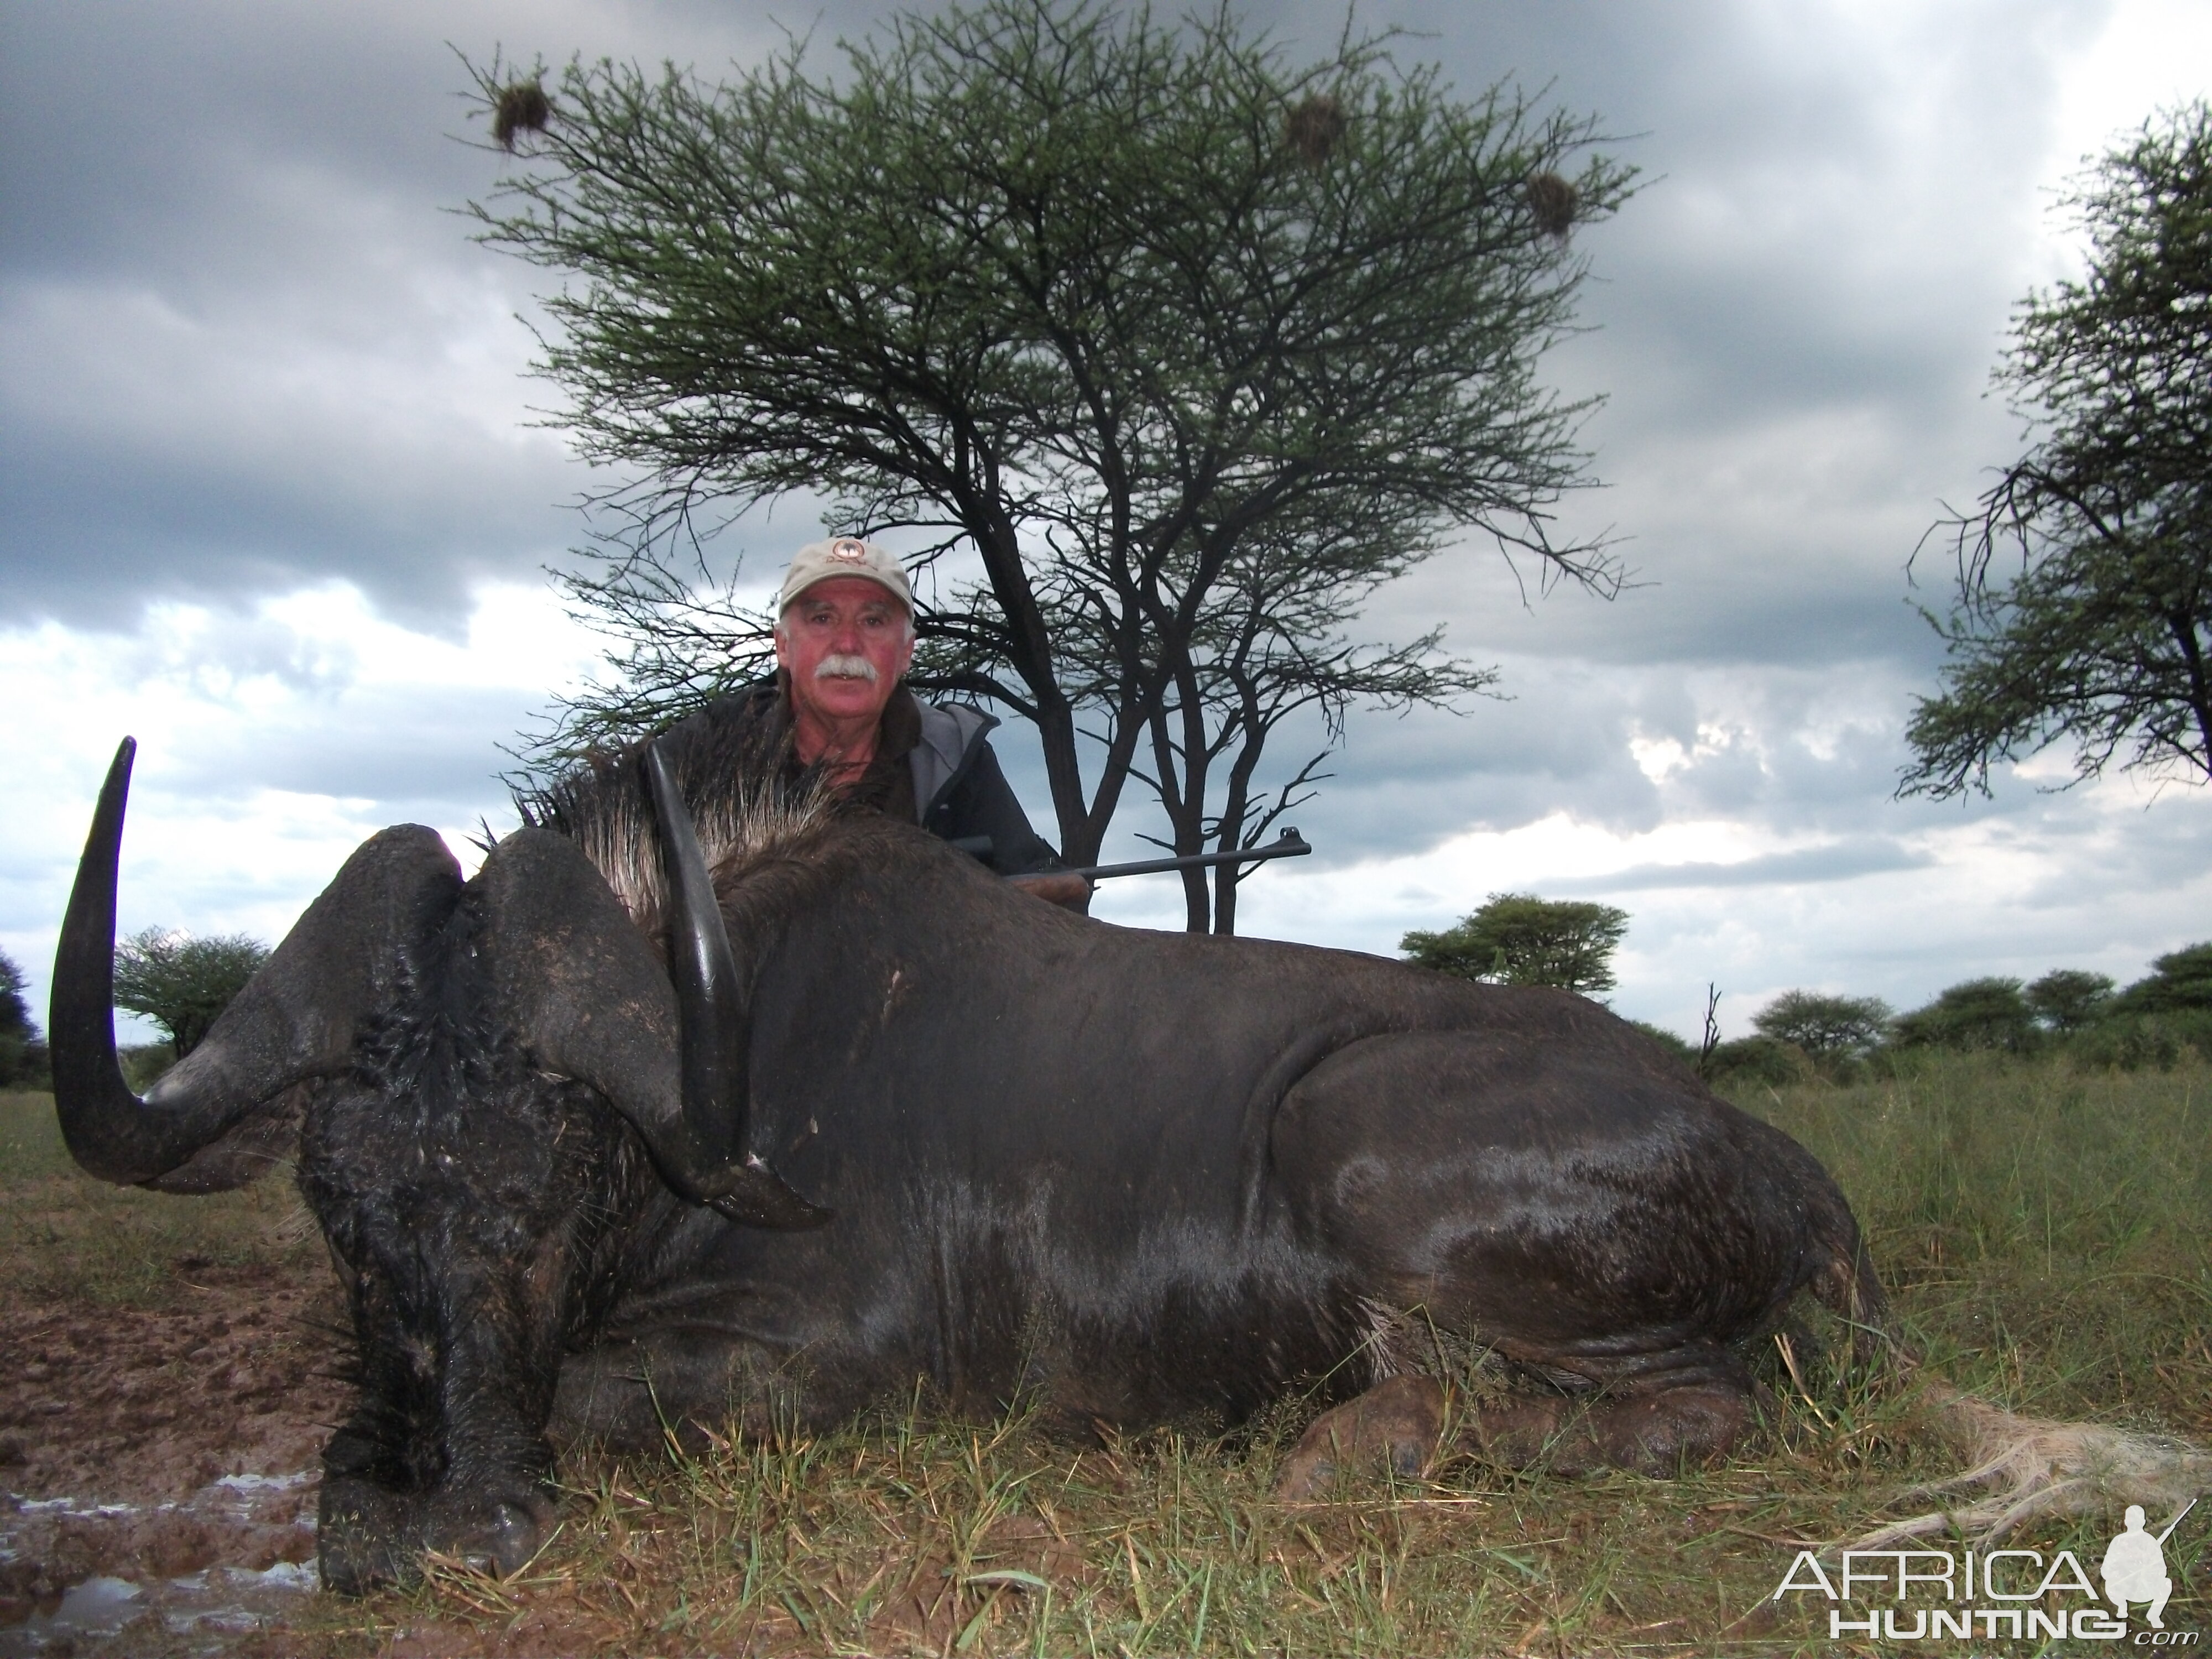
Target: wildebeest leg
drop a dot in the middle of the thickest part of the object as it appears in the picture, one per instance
(478, 1205)
(1399, 1422)
(1593, 1217)
(1690, 1412)
(474, 1224)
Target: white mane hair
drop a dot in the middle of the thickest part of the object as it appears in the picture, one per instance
(745, 812)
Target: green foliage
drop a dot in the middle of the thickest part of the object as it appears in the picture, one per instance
(183, 983)
(1517, 938)
(2101, 637)
(1668, 1040)
(2042, 1228)
(1190, 346)
(2181, 979)
(1825, 1027)
(2129, 1043)
(2067, 999)
(23, 1055)
(1765, 1061)
(1977, 1013)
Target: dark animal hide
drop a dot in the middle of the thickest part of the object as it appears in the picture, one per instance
(1135, 1177)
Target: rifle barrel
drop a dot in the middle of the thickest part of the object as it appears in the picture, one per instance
(1288, 845)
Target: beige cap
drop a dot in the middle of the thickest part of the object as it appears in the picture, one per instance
(847, 555)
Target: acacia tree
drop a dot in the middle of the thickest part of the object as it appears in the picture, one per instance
(1181, 349)
(181, 983)
(20, 1047)
(2100, 638)
(1990, 1012)
(1825, 1027)
(1517, 938)
(2069, 1000)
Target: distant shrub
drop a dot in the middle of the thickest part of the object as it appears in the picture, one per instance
(1760, 1060)
(181, 983)
(1517, 938)
(1666, 1039)
(23, 1055)
(2067, 999)
(1974, 1014)
(1828, 1028)
(2125, 1043)
(2182, 979)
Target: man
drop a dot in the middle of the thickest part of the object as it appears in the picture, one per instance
(844, 637)
(2134, 1569)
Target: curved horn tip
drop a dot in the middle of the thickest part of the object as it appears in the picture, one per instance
(100, 1116)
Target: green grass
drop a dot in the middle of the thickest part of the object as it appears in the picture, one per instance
(2046, 1233)
(64, 1235)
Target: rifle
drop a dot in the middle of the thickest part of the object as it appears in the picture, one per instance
(1288, 845)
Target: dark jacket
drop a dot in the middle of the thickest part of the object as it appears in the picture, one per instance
(934, 766)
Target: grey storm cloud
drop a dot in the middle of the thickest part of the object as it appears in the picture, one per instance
(247, 347)
(1864, 855)
(232, 291)
(242, 332)
(375, 746)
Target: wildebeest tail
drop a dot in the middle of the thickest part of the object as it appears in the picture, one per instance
(2018, 1468)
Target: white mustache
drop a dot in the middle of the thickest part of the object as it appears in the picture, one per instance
(837, 666)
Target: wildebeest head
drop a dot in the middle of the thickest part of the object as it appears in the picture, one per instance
(442, 1055)
(578, 985)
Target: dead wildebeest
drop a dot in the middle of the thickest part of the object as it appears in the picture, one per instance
(1133, 1177)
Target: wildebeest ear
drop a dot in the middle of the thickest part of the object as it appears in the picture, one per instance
(587, 997)
(213, 1119)
(301, 1015)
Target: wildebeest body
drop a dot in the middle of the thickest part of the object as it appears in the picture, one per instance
(1144, 1176)
(1133, 1177)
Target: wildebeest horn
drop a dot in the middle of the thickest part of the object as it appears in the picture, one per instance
(296, 1018)
(717, 1091)
(589, 1001)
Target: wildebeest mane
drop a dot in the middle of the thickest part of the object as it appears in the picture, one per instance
(750, 810)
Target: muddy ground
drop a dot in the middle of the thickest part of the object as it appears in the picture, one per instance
(171, 1449)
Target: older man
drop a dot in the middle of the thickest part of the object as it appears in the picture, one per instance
(844, 637)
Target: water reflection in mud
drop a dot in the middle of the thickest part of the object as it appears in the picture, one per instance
(180, 1578)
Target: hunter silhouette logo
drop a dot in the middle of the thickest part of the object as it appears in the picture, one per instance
(2005, 1593)
(2135, 1566)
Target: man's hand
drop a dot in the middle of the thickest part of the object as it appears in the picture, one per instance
(1061, 887)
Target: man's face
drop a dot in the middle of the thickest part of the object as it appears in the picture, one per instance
(845, 642)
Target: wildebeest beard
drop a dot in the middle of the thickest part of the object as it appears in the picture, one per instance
(1132, 1177)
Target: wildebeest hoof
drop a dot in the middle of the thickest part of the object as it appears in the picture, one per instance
(368, 1537)
(1398, 1422)
(1650, 1432)
(497, 1538)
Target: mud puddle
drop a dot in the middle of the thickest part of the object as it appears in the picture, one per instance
(158, 1468)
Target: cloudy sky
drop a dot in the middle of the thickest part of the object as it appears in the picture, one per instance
(272, 498)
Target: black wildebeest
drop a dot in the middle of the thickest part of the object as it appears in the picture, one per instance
(1133, 1176)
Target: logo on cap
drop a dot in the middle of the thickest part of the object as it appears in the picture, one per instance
(849, 550)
